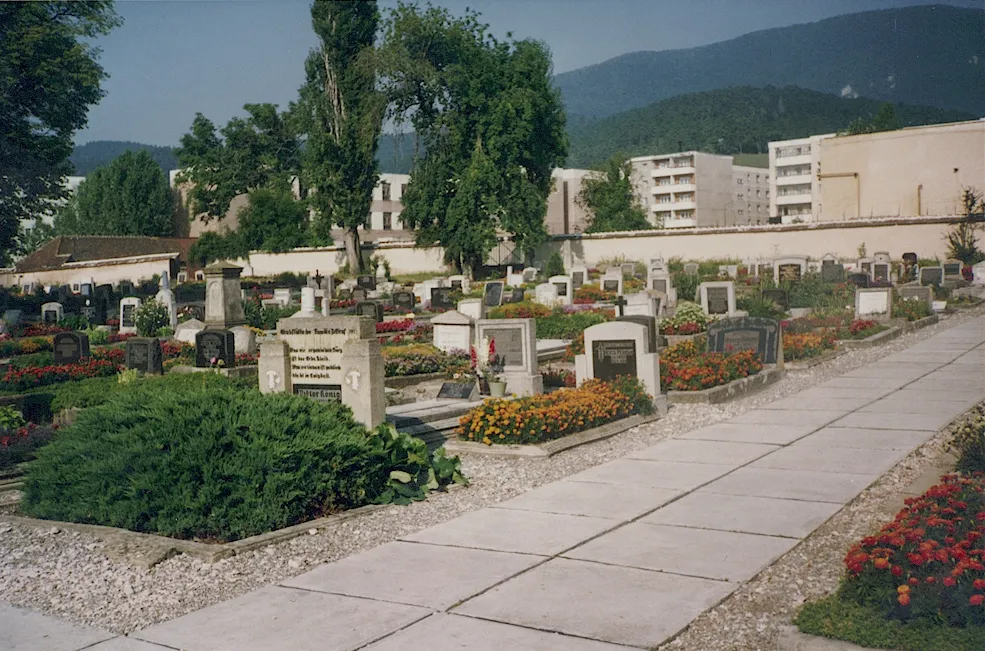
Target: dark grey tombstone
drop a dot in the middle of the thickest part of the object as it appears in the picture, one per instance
(931, 275)
(859, 280)
(650, 323)
(404, 301)
(952, 268)
(517, 296)
(880, 271)
(614, 358)
(218, 345)
(778, 296)
(85, 289)
(562, 289)
(493, 293)
(441, 298)
(126, 288)
(456, 285)
(372, 309)
(659, 284)
(610, 285)
(833, 273)
(366, 281)
(50, 316)
(358, 294)
(459, 390)
(921, 293)
(717, 300)
(144, 354)
(148, 288)
(577, 279)
(746, 333)
(70, 347)
(910, 259)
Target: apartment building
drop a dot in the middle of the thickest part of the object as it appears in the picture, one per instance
(907, 172)
(794, 188)
(692, 188)
(384, 211)
(564, 214)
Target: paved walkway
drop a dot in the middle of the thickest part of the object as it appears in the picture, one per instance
(623, 555)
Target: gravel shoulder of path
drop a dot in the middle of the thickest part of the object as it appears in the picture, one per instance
(67, 574)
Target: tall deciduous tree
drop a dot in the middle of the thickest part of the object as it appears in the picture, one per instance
(49, 76)
(130, 196)
(341, 111)
(492, 124)
(608, 195)
(261, 150)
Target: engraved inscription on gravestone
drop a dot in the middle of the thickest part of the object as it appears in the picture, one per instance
(493, 294)
(372, 309)
(613, 358)
(952, 268)
(610, 285)
(70, 347)
(789, 272)
(745, 333)
(739, 340)
(509, 344)
(441, 298)
(562, 289)
(660, 285)
(931, 276)
(717, 300)
(127, 318)
(319, 392)
(218, 345)
(366, 281)
(144, 354)
(404, 300)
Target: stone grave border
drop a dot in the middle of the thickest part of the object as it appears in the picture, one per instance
(878, 338)
(726, 392)
(804, 364)
(552, 447)
(910, 326)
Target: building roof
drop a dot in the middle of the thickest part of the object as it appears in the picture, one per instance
(86, 248)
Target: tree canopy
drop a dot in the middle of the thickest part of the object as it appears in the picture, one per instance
(130, 196)
(49, 77)
(609, 197)
(492, 125)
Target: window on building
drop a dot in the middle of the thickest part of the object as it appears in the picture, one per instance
(403, 190)
(739, 196)
(385, 188)
(759, 193)
(387, 221)
(739, 181)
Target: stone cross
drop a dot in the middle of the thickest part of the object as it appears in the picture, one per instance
(621, 304)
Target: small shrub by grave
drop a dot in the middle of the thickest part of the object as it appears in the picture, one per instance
(555, 266)
(685, 367)
(97, 391)
(910, 310)
(544, 417)
(568, 325)
(150, 317)
(524, 310)
(222, 464)
(689, 319)
(418, 359)
(687, 285)
(758, 306)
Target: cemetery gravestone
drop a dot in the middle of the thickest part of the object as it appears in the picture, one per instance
(404, 301)
(460, 283)
(546, 294)
(215, 349)
(187, 330)
(859, 279)
(931, 275)
(144, 354)
(13, 318)
(650, 323)
(952, 268)
(746, 333)
(90, 313)
(372, 309)
(223, 296)
(578, 277)
(778, 296)
(691, 268)
(833, 272)
(516, 346)
(619, 348)
(459, 391)
(880, 271)
(493, 293)
(530, 274)
(628, 269)
(283, 296)
(441, 298)
(358, 294)
(612, 281)
(717, 298)
(978, 274)
(473, 308)
(788, 273)
(128, 314)
(70, 347)
(562, 285)
(52, 313)
(452, 331)
(366, 281)
(661, 285)
(921, 293)
(874, 303)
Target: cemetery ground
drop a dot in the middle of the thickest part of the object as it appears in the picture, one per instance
(66, 574)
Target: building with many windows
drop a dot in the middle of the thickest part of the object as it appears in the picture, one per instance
(384, 212)
(691, 189)
(795, 191)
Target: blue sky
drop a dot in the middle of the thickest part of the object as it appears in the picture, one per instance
(173, 58)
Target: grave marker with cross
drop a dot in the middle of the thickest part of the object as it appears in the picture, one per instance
(621, 304)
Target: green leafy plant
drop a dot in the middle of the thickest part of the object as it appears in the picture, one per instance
(911, 310)
(759, 306)
(150, 317)
(97, 337)
(414, 471)
(688, 319)
(555, 266)
(10, 418)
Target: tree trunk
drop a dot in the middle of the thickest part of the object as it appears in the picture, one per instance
(352, 251)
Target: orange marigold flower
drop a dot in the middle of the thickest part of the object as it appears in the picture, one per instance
(976, 599)
(903, 599)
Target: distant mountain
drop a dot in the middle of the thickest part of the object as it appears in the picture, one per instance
(926, 55)
(731, 121)
(97, 153)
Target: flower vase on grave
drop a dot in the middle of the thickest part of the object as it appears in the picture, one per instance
(497, 389)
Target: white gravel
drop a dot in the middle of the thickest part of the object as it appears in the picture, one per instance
(66, 574)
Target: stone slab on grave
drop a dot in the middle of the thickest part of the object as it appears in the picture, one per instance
(717, 298)
(186, 330)
(874, 303)
(917, 292)
(931, 275)
(833, 272)
(404, 301)
(747, 333)
(516, 346)
(359, 294)
(474, 308)
(460, 283)
(563, 286)
(579, 276)
(372, 309)
(215, 349)
(860, 280)
(789, 269)
(441, 298)
(492, 293)
(145, 355)
(642, 304)
(621, 348)
(459, 391)
(223, 296)
(612, 281)
(660, 283)
(128, 315)
(70, 347)
(452, 331)
(546, 294)
(274, 373)
(13, 318)
(952, 268)
(52, 313)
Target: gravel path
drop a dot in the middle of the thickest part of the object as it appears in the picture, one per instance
(66, 574)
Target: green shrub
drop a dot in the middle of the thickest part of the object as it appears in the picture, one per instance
(222, 464)
(99, 390)
(97, 337)
(10, 418)
(911, 310)
(568, 326)
(687, 286)
(555, 266)
(151, 316)
(759, 306)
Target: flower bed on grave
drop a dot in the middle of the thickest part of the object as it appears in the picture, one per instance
(11, 347)
(684, 367)
(549, 416)
(421, 359)
(861, 329)
(910, 310)
(797, 346)
(688, 319)
(920, 582)
(588, 294)
(16, 380)
(565, 322)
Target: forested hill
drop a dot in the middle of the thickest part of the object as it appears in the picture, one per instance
(927, 55)
(731, 121)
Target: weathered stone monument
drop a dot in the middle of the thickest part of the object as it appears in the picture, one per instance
(516, 345)
(70, 347)
(621, 348)
(223, 297)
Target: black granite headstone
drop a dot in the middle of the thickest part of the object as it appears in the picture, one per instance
(70, 347)
(952, 268)
(613, 358)
(372, 309)
(441, 298)
(650, 323)
(144, 354)
(366, 281)
(562, 289)
(788, 273)
(717, 300)
(493, 293)
(833, 273)
(458, 390)
(126, 288)
(404, 301)
(931, 276)
(778, 296)
(859, 279)
(50, 316)
(745, 333)
(215, 348)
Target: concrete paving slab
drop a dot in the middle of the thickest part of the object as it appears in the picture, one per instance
(25, 630)
(717, 452)
(968, 394)
(281, 619)
(868, 420)
(623, 605)
(872, 439)
(817, 419)
(871, 392)
(898, 370)
(507, 530)
(612, 501)
(790, 639)
(415, 574)
(918, 405)
(798, 402)
(763, 515)
(127, 644)
(806, 455)
(843, 381)
(911, 356)
(751, 433)
(654, 474)
(444, 632)
(704, 553)
(839, 488)
(947, 384)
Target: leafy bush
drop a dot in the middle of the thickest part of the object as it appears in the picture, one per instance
(98, 391)
(555, 265)
(927, 563)
(561, 325)
(221, 464)
(969, 442)
(10, 418)
(74, 322)
(18, 444)
(264, 317)
(417, 359)
(688, 319)
(544, 417)
(684, 367)
(150, 317)
(525, 310)
(759, 306)
(97, 337)
(911, 310)
(687, 286)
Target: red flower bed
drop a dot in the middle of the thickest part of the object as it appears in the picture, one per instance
(116, 355)
(684, 368)
(395, 326)
(21, 379)
(40, 330)
(116, 337)
(861, 325)
(247, 359)
(927, 562)
(341, 304)
(683, 329)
